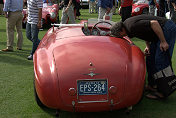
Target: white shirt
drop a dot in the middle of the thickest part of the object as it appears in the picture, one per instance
(33, 10)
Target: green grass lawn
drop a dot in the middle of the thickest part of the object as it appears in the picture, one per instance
(16, 86)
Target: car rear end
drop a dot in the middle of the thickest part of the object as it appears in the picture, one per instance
(81, 73)
(93, 75)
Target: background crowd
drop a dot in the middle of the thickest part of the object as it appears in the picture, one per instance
(12, 10)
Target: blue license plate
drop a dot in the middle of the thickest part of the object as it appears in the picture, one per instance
(92, 87)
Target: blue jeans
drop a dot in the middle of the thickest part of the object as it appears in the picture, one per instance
(158, 60)
(32, 34)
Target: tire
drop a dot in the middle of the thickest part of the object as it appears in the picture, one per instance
(39, 103)
(143, 94)
(145, 11)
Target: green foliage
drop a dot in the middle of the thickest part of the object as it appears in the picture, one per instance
(16, 86)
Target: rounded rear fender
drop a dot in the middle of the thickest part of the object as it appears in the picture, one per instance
(136, 78)
(46, 80)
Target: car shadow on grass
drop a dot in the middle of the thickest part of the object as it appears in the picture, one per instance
(15, 58)
(2, 30)
(144, 109)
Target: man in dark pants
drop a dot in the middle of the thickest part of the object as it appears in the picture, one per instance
(159, 34)
(126, 9)
(172, 8)
(152, 7)
(163, 8)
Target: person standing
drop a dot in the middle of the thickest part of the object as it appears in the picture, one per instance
(126, 9)
(160, 35)
(114, 6)
(163, 7)
(105, 7)
(76, 7)
(172, 9)
(34, 16)
(91, 6)
(1, 7)
(24, 4)
(96, 6)
(67, 12)
(152, 7)
(13, 14)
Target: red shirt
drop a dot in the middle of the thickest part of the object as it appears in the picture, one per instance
(126, 3)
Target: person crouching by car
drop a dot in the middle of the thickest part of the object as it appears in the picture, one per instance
(67, 12)
(160, 35)
(34, 16)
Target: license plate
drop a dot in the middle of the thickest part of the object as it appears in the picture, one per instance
(92, 87)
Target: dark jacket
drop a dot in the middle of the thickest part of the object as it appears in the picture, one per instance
(105, 3)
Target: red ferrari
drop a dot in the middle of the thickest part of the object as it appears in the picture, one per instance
(81, 68)
(140, 7)
(49, 14)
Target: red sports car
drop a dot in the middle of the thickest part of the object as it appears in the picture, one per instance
(49, 14)
(141, 7)
(81, 68)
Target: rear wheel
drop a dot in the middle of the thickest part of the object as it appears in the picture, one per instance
(39, 103)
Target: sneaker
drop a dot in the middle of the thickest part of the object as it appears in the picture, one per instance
(30, 57)
(6, 50)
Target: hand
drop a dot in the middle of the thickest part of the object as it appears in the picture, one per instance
(108, 10)
(147, 51)
(66, 10)
(25, 19)
(39, 25)
(164, 46)
(174, 8)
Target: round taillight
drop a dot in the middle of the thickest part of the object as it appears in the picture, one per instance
(72, 91)
(112, 89)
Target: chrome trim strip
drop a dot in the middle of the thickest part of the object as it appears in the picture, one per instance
(91, 101)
